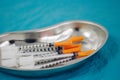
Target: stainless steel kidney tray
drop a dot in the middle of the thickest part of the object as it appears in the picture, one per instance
(95, 37)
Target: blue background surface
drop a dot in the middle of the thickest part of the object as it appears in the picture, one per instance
(17, 15)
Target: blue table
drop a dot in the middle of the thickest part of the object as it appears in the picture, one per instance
(33, 14)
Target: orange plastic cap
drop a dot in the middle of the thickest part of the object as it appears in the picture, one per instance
(75, 39)
(62, 44)
(72, 50)
(85, 53)
(73, 46)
